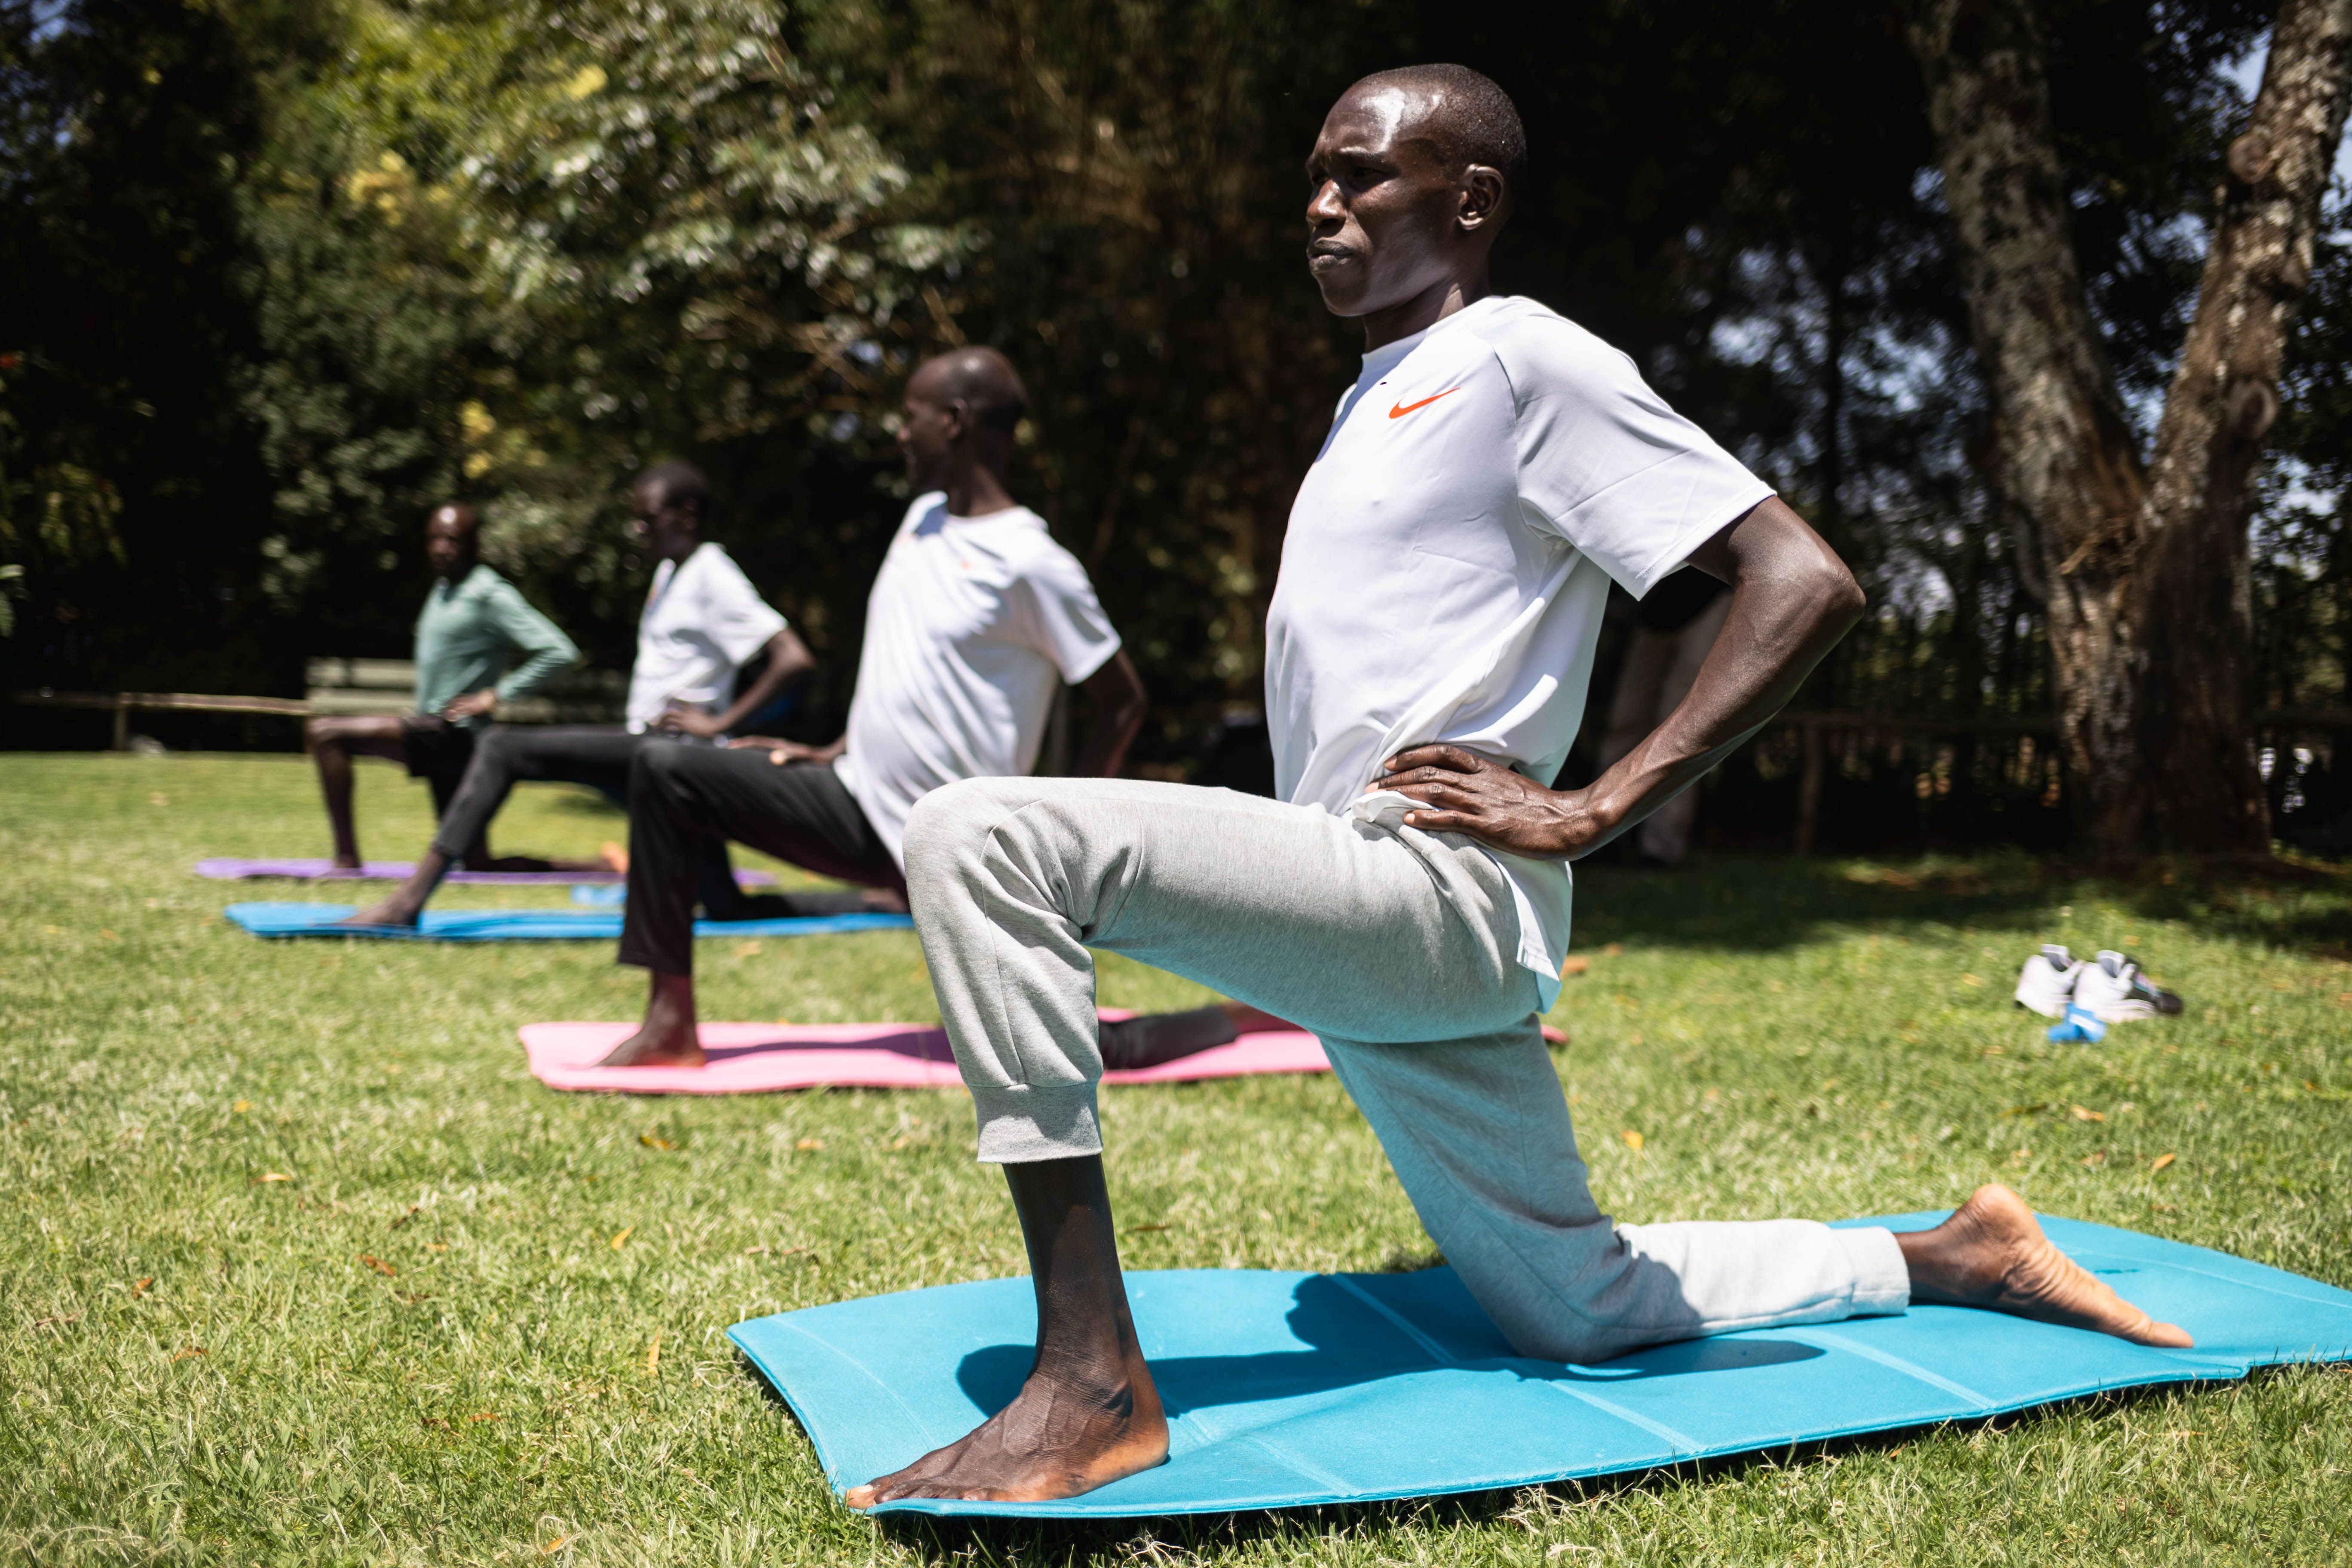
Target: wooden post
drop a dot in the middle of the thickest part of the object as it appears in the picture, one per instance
(121, 722)
(1809, 790)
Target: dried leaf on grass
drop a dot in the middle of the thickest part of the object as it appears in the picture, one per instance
(653, 1355)
(483, 1415)
(379, 1265)
(139, 1287)
(2084, 1113)
(623, 1236)
(2161, 1162)
(1576, 965)
(1147, 1229)
(1633, 1139)
(406, 1217)
(654, 1141)
(271, 1176)
(192, 1350)
(809, 1143)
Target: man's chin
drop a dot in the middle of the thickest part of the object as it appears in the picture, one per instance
(1340, 300)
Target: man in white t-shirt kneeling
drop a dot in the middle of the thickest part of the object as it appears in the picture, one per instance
(1428, 651)
(702, 622)
(975, 621)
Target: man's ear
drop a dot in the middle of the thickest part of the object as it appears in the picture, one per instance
(1482, 198)
(958, 414)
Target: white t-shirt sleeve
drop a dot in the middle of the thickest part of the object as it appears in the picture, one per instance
(1605, 463)
(1057, 613)
(734, 616)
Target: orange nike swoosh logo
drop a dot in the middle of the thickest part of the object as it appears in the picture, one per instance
(1399, 410)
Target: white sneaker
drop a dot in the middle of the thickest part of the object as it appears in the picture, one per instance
(2047, 983)
(2115, 990)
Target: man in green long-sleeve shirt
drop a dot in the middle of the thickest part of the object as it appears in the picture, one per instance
(477, 644)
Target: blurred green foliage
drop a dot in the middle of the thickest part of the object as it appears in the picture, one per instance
(278, 276)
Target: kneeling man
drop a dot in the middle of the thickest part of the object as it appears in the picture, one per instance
(1428, 649)
(975, 621)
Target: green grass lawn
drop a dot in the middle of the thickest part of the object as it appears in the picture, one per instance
(299, 1264)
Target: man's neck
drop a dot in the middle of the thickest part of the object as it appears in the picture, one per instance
(1424, 310)
(974, 490)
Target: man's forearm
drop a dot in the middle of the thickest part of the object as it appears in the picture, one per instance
(1119, 703)
(1790, 603)
(1107, 742)
(788, 657)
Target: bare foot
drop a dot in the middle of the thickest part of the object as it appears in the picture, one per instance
(615, 858)
(391, 911)
(1552, 1036)
(1064, 1434)
(1991, 1254)
(669, 1037)
(886, 901)
(405, 903)
(344, 862)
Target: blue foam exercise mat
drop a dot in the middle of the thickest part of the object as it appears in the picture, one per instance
(281, 920)
(1287, 1390)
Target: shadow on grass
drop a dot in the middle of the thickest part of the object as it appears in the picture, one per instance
(1740, 904)
(1009, 1542)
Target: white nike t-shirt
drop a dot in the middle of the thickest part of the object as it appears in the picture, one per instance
(701, 621)
(973, 623)
(1450, 553)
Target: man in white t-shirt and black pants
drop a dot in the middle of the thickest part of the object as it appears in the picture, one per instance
(975, 621)
(1428, 649)
(703, 621)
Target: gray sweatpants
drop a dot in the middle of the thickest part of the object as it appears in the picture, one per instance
(1397, 948)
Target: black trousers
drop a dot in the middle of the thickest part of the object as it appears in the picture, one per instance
(598, 756)
(686, 800)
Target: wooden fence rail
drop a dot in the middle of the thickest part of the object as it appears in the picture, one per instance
(329, 695)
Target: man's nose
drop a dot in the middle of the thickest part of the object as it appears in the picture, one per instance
(1325, 207)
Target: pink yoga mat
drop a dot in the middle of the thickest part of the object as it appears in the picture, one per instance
(752, 1058)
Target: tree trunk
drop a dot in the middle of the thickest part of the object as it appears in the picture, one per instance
(2143, 579)
(2192, 590)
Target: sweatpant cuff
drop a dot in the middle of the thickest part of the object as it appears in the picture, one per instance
(1882, 1280)
(1020, 1122)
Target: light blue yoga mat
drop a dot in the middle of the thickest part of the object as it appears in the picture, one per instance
(1291, 1389)
(526, 925)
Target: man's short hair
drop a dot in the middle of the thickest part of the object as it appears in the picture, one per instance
(1475, 120)
(680, 484)
(986, 383)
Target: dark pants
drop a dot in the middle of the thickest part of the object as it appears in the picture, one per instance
(439, 752)
(685, 801)
(596, 755)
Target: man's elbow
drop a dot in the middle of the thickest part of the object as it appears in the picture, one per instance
(790, 657)
(1840, 599)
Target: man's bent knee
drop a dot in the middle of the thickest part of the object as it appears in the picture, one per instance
(656, 765)
(949, 821)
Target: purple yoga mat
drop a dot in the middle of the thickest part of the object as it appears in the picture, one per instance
(232, 870)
